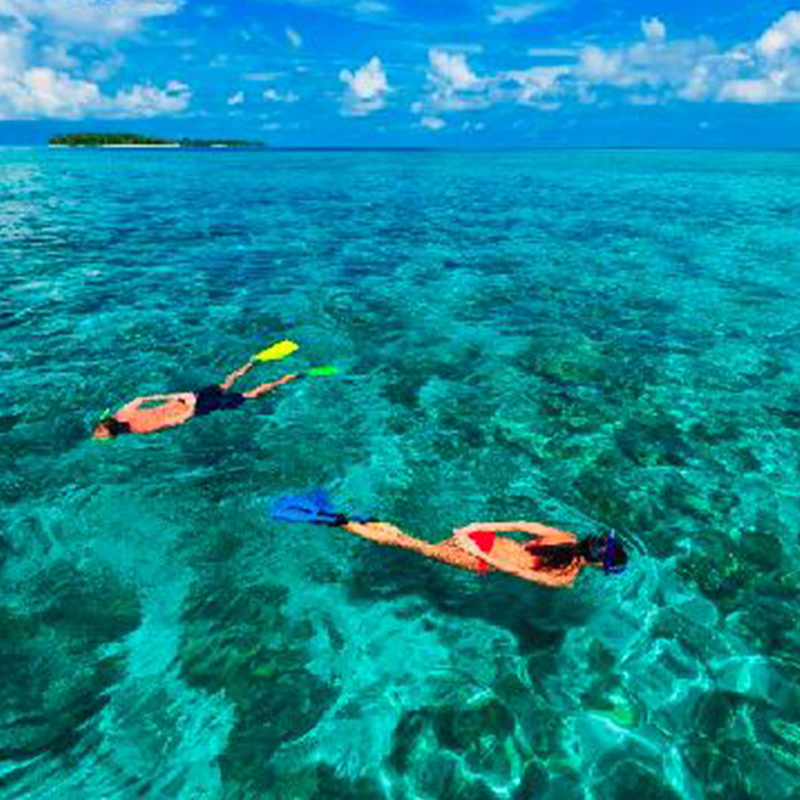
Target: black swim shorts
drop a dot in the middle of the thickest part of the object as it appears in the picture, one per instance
(215, 398)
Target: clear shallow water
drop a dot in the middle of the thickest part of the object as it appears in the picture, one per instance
(589, 339)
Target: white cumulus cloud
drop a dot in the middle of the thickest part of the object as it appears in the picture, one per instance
(781, 37)
(44, 69)
(653, 63)
(653, 70)
(148, 101)
(452, 85)
(43, 92)
(40, 92)
(538, 86)
(754, 90)
(367, 89)
(656, 70)
(236, 99)
(452, 69)
(89, 20)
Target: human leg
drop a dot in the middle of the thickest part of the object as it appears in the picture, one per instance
(235, 375)
(268, 387)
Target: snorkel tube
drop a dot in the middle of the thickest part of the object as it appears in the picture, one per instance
(609, 552)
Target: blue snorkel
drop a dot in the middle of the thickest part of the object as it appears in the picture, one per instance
(608, 555)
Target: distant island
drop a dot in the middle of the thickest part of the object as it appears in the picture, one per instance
(136, 140)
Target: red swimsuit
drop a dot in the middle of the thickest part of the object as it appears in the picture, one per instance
(485, 542)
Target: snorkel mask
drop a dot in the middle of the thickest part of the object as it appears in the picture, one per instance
(105, 440)
(609, 552)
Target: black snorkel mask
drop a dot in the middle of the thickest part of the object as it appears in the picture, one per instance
(113, 426)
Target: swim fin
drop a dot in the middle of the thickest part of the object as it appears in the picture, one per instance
(313, 507)
(277, 351)
(328, 370)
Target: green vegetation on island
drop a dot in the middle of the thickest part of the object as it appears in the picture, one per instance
(137, 140)
(100, 139)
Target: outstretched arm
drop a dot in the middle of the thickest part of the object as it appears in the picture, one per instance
(534, 529)
(132, 406)
(157, 398)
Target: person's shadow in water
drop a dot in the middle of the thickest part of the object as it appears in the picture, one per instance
(538, 617)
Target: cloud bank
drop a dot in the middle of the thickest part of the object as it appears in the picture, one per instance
(42, 74)
(651, 71)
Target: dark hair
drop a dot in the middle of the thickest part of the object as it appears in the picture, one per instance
(114, 426)
(592, 548)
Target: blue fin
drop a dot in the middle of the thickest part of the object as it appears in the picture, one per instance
(314, 507)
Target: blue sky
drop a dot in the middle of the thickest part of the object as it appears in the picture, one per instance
(405, 72)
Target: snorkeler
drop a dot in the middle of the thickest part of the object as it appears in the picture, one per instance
(140, 416)
(551, 557)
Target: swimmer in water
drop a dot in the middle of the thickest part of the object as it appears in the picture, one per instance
(159, 411)
(550, 557)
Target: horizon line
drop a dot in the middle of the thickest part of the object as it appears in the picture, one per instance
(421, 148)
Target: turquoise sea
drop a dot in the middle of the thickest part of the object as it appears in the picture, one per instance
(591, 339)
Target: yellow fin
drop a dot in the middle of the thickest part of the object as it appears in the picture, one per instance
(277, 351)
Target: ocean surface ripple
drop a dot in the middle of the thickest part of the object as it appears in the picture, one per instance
(591, 339)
